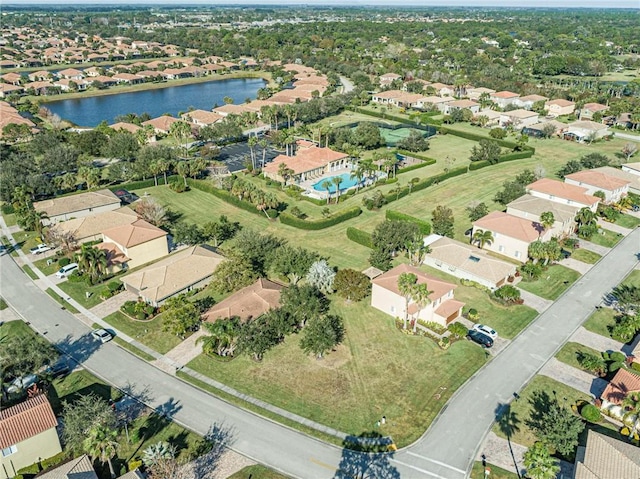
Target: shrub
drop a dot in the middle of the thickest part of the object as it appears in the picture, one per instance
(224, 195)
(617, 357)
(591, 362)
(472, 314)
(178, 186)
(76, 277)
(433, 326)
(507, 294)
(114, 286)
(63, 261)
(591, 413)
(344, 215)
(425, 227)
(360, 237)
(635, 366)
(458, 330)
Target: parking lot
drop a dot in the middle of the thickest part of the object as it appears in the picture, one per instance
(234, 156)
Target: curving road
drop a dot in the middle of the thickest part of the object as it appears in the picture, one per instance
(446, 451)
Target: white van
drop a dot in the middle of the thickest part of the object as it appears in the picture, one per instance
(66, 270)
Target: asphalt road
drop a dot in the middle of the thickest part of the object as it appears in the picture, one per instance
(626, 136)
(446, 451)
(234, 155)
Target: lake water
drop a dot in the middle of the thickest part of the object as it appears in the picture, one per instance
(90, 111)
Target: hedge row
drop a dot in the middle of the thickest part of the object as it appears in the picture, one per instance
(224, 196)
(138, 185)
(413, 167)
(428, 160)
(288, 219)
(360, 237)
(516, 155)
(475, 137)
(425, 227)
(383, 115)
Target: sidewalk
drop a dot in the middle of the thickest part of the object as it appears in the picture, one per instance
(533, 301)
(187, 349)
(596, 248)
(596, 341)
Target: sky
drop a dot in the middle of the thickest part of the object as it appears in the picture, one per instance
(456, 3)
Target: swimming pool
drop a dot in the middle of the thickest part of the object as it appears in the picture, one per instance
(347, 182)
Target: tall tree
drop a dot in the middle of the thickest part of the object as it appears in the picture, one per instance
(102, 444)
(539, 462)
(322, 334)
(321, 275)
(442, 221)
(180, 316)
(482, 237)
(80, 417)
(406, 285)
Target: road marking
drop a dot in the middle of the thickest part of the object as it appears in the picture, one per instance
(323, 464)
(437, 462)
(423, 471)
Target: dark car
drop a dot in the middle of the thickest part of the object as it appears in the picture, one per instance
(480, 338)
(57, 370)
(565, 253)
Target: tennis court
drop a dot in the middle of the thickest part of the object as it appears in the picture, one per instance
(391, 137)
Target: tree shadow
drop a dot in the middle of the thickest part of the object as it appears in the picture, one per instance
(209, 452)
(78, 350)
(362, 458)
(540, 402)
(133, 404)
(509, 423)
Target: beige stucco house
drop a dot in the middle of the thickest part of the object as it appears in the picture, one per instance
(139, 242)
(528, 101)
(399, 98)
(474, 93)
(633, 179)
(201, 118)
(468, 262)
(586, 130)
(90, 228)
(180, 272)
(530, 207)
(310, 161)
(503, 98)
(614, 189)
(27, 435)
(519, 118)
(79, 468)
(604, 457)
(248, 303)
(559, 107)
(77, 206)
(616, 391)
(590, 109)
(470, 105)
(386, 296)
(633, 168)
(512, 235)
(560, 192)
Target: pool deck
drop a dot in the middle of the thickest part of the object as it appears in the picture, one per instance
(311, 192)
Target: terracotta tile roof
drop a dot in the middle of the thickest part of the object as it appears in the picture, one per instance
(115, 256)
(449, 307)
(504, 94)
(174, 273)
(634, 180)
(455, 253)
(90, 226)
(607, 458)
(389, 281)
(588, 125)
(594, 107)
(622, 384)
(133, 234)
(78, 468)
(231, 109)
(247, 303)
(434, 100)
(202, 116)
(25, 420)
(74, 203)
(306, 159)
(533, 98)
(162, 123)
(536, 206)
(68, 72)
(598, 179)
(121, 125)
(559, 102)
(563, 190)
(126, 77)
(511, 226)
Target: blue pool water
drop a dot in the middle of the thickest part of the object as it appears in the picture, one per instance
(347, 182)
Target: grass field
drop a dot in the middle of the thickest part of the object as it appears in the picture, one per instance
(60, 300)
(148, 333)
(586, 256)
(569, 353)
(377, 371)
(606, 238)
(600, 321)
(628, 221)
(552, 283)
(496, 472)
(633, 279)
(78, 292)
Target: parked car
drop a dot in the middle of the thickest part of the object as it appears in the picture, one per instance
(66, 270)
(57, 370)
(565, 253)
(485, 330)
(24, 382)
(41, 248)
(101, 335)
(480, 338)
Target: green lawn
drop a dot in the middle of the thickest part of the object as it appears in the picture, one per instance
(25, 240)
(633, 279)
(3, 304)
(10, 219)
(600, 321)
(256, 472)
(78, 292)
(521, 408)
(569, 353)
(377, 371)
(132, 349)
(47, 269)
(27, 269)
(16, 329)
(552, 283)
(79, 383)
(628, 221)
(496, 472)
(585, 255)
(606, 238)
(62, 302)
(148, 333)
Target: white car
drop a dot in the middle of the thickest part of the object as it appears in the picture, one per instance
(101, 335)
(41, 248)
(66, 270)
(485, 330)
(24, 382)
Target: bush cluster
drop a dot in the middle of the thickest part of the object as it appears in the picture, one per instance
(138, 310)
(289, 219)
(360, 237)
(424, 226)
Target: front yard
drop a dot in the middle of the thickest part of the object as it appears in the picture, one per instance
(585, 255)
(552, 282)
(601, 321)
(377, 371)
(570, 351)
(606, 238)
(148, 333)
(628, 221)
(79, 290)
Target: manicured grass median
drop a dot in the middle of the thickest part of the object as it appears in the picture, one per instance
(378, 371)
(496, 472)
(606, 238)
(585, 255)
(569, 353)
(552, 282)
(148, 333)
(59, 299)
(27, 269)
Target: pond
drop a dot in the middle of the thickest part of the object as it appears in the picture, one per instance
(90, 111)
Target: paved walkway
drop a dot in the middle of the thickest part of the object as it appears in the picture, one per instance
(111, 305)
(601, 250)
(613, 227)
(576, 265)
(595, 341)
(534, 301)
(573, 377)
(187, 349)
(7, 315)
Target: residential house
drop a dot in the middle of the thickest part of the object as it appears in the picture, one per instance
(231, 109)
(90, 228)
(38, 87)
(586, 130)
(27, 435)
(140, 242)
(634, 180)
(503, 98)
(308, 162)
(633, 168)
(604, 457)
(399, 98)
(11, 116)
(617, 390)
(527, 102)
(538, 130)
(590, 109)
(442, 308)
(614, 189)
(7, 89)
(530, 207)
(492, 116)
(69, 85)
(128, 78)
(180, 272)
(202, 117)
(432, 103)
(468, 262)
(104, 79)
(162, 124)
(519, 118)
(77, 206)
(248, 303)
(40, 75)
(442, 90)
(71, 74)
(560, 192)
(12, 78)
(476, 92)
(389, 78)
(512, 235)
(123, 125)
(77, 468)
(470, 105)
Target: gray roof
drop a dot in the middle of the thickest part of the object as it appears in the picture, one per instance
(536, 206)
(623, 175)
(78, 468)
(607, 458)
(73, 203)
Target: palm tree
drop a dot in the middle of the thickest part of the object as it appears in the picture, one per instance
(539, 462)
(252, 142)
(92, 261)
(326, 184)
(537, 251)
(406, 284)
(263, 144)
(156, 168)
(631, 405)
(222, 338)
(101, 443)
(336, 180)
(183, 170)
(285, 172)
(358, 173)
(587, 224)
(420, 295)
(482, 237)
(547, 220)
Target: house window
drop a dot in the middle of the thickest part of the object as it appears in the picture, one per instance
(518, 254)
(393, 309)
(7, 451)
(501, 248)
